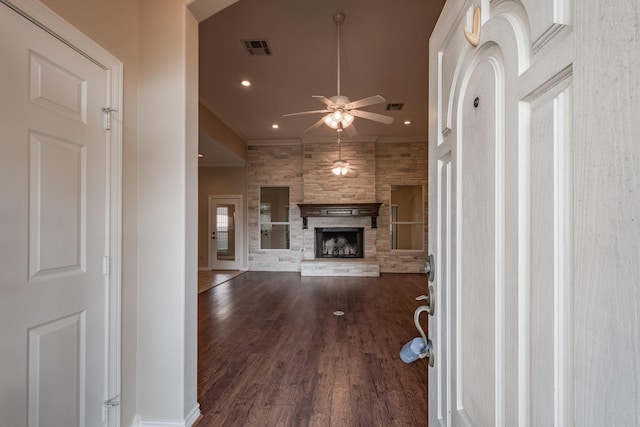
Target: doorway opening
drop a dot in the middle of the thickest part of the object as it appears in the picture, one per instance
(225, 233)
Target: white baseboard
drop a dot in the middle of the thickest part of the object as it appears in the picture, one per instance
(193, 415)
(208, 269)
(188, 422)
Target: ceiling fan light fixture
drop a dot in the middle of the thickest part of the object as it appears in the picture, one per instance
(347, 119)
(340, 167)
(328, 119)
(341, 111)
(339, 119)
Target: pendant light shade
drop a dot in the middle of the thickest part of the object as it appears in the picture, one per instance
(340, 167)
(338, 119)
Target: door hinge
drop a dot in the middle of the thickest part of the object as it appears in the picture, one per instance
(107, 116)
(108, 404)
(106, 265)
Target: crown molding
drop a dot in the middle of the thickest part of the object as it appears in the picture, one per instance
(205, 164)
(265, 142)
(326, 139)
(398, 140)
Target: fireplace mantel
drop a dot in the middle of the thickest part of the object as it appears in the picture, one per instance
(339, 210)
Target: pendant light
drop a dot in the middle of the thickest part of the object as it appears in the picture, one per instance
(340, 167)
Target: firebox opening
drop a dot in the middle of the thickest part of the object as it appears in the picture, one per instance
(339, 242)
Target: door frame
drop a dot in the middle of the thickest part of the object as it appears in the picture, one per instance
(45, 18)
(239, 235)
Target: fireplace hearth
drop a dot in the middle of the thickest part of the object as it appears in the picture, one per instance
(339, 242)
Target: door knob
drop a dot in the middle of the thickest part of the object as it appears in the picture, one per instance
(430, 268)
(427, 352)
(420, 347)
(430, 299)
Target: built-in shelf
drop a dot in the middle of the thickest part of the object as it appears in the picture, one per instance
(339, 210)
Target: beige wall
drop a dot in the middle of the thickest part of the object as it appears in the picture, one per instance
(190, 291)
(167, 255)
(218, 181)
(211, 125)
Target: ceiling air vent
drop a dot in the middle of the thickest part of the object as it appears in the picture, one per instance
(395, 107)
(257, 47)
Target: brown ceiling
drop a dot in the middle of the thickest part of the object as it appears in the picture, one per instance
(384, 51)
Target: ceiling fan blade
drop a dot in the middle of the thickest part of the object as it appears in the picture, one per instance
(373, 116)
(315, 125)
(323, 99)
(372, 100)
(306, 112)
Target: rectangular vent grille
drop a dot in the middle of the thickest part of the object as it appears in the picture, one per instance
(257, 47)
(395, 107)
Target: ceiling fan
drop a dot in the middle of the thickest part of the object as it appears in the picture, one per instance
(340, 110)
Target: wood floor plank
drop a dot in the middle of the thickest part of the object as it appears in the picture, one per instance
(272, 352)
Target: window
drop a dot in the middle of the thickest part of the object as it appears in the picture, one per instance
(407, 217)
(222, 226)
(275, 223)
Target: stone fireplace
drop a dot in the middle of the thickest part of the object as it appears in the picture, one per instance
(320, 199)
(339, 242)
(339, 239)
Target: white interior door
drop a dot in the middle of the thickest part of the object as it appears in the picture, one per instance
(500, 215)
(56, 187)
(225, 232)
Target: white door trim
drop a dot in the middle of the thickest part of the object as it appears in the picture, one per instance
(46, 19)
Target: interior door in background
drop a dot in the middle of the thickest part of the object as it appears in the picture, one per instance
(225, 232)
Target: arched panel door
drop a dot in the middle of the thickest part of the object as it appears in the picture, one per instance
(500, 210)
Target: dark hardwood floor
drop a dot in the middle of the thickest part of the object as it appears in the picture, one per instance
(272, 353)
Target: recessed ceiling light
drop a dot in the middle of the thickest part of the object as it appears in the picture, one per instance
(245, 83)
(407, 122)
(275, 126)
(200, 155)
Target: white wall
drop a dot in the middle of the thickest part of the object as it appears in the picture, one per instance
(167, 163)
(191, 232)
